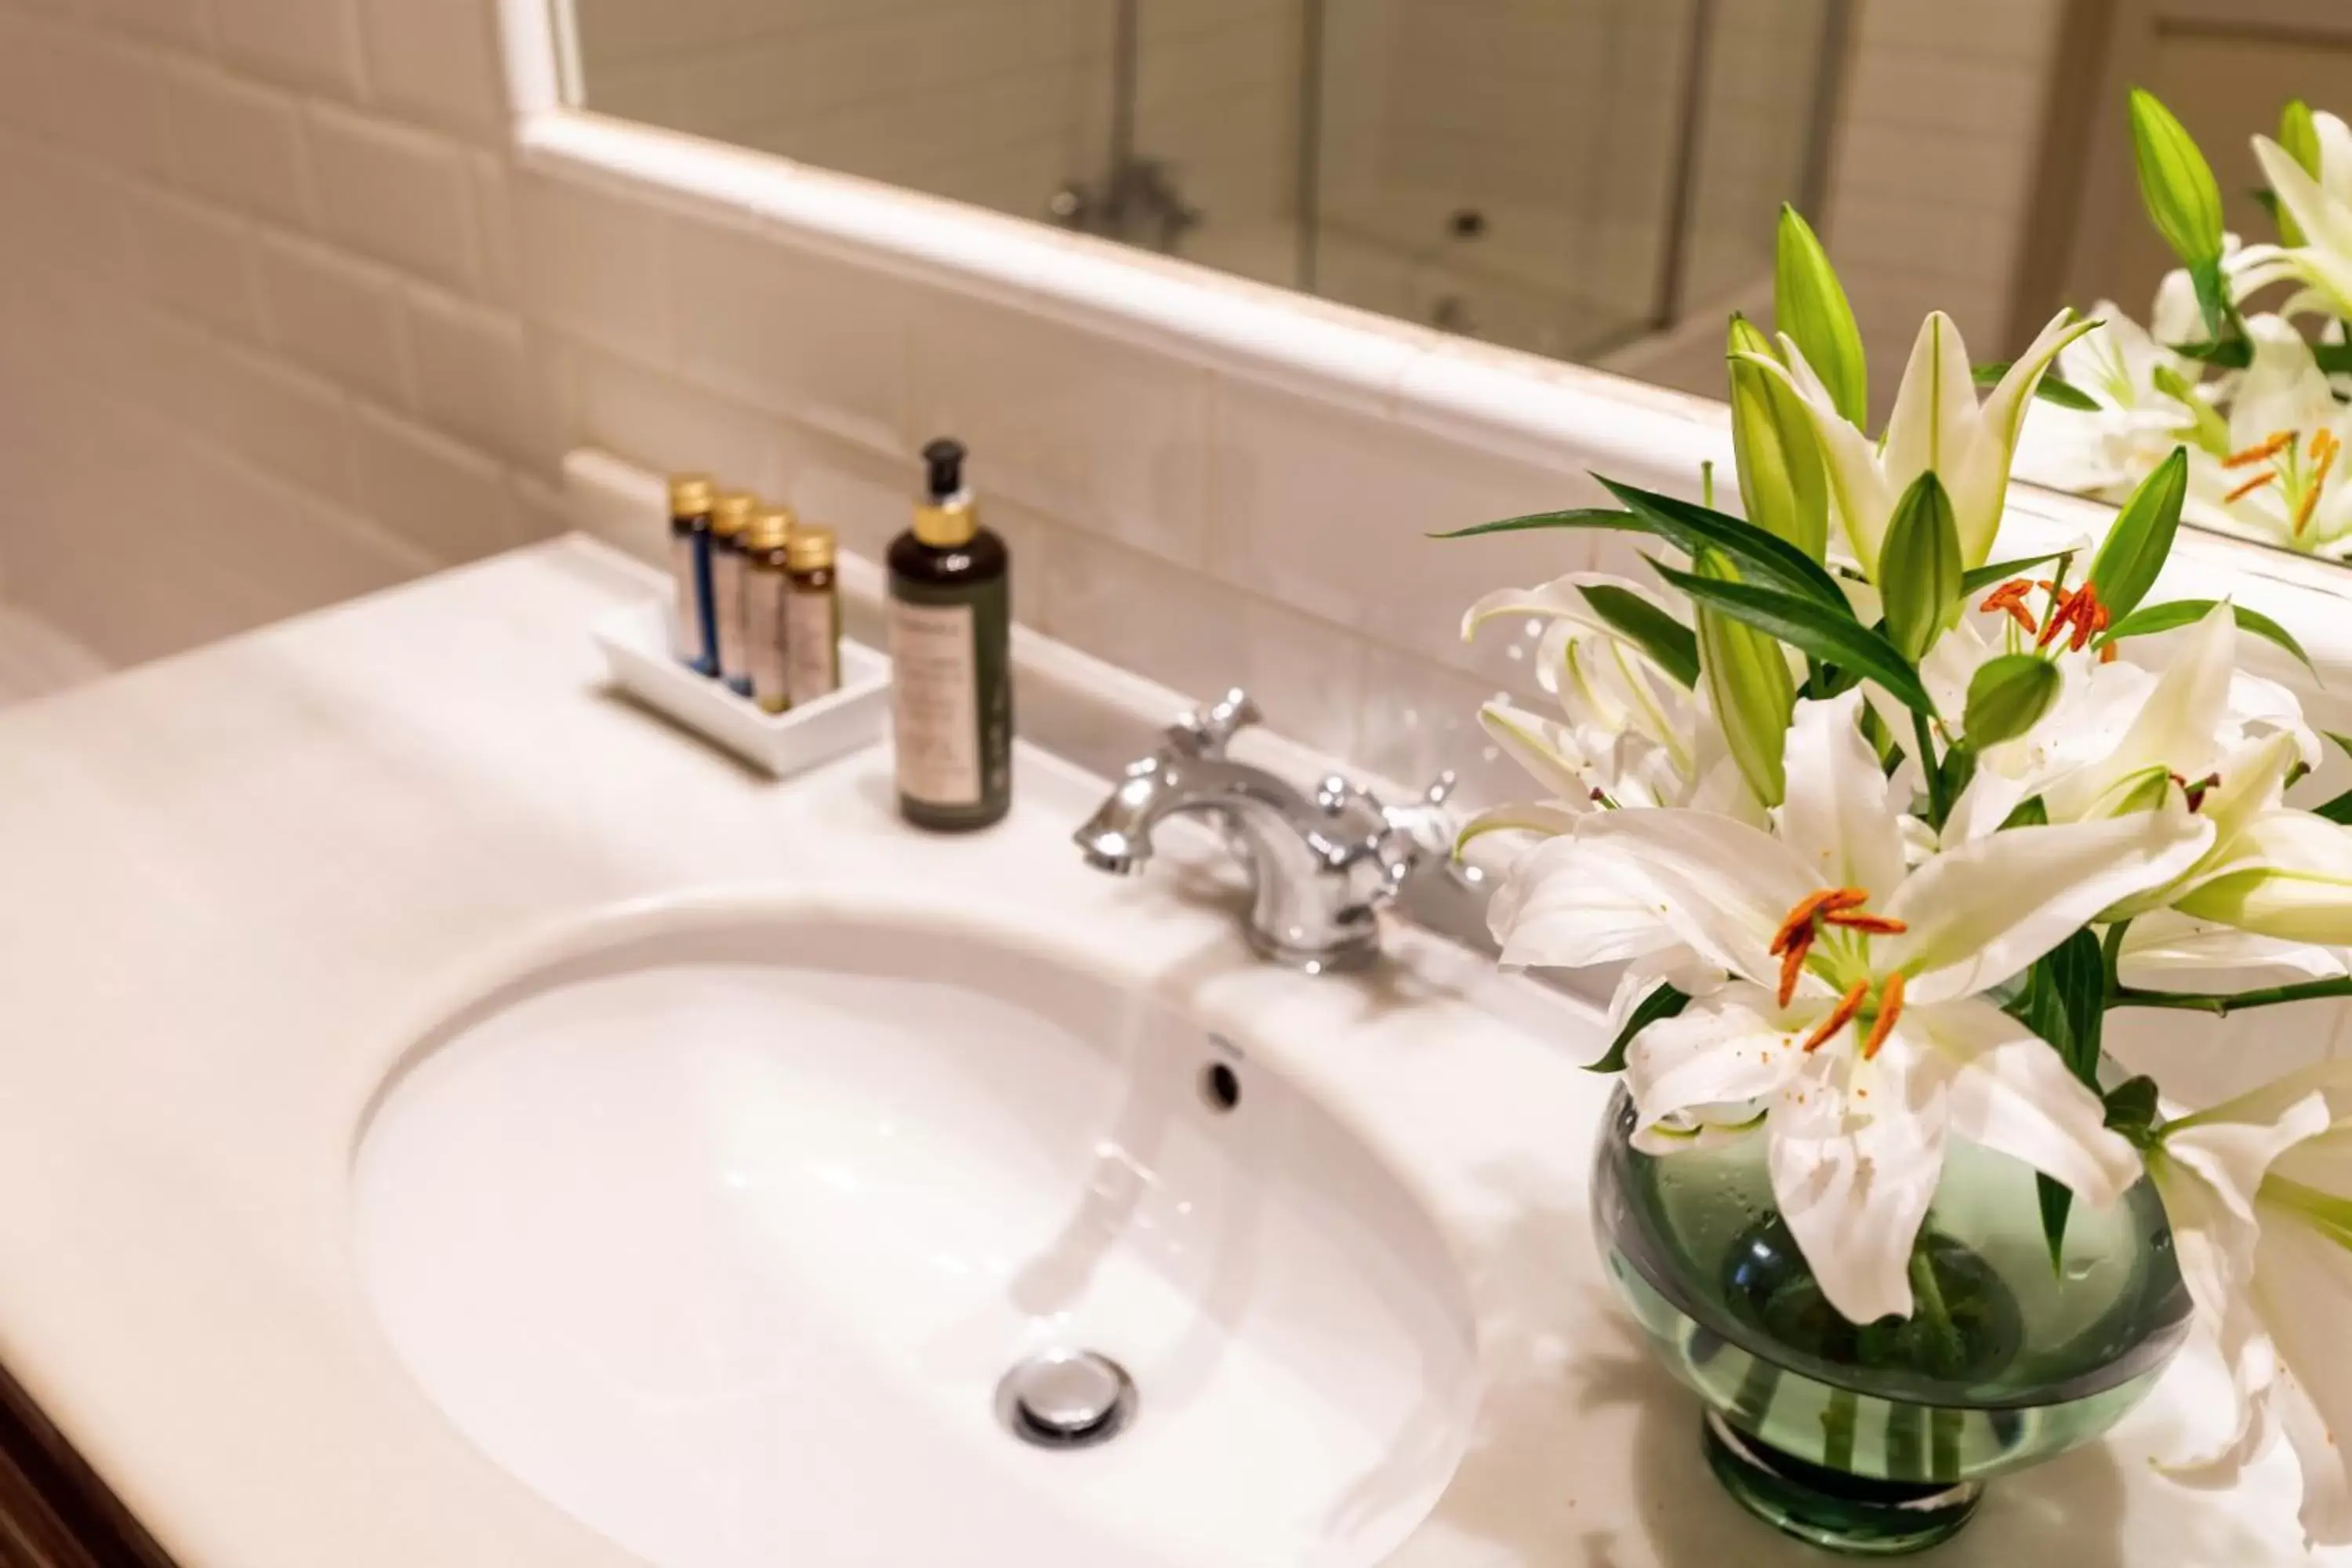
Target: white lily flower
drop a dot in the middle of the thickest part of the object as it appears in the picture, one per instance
(2167, 951)
(2123, 367)
(2120, 728)
(1855, 1013)
(2280, 480)
(1938, 424)
(2322, 210)
(1630, 734)
(2259, 1193)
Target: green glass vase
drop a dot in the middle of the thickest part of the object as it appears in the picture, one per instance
(1876, 1439)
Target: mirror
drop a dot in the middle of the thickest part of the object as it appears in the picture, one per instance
(1601, 180)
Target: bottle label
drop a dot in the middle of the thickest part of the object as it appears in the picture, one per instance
(812, 644)
(727, 609)
(935, 702)
(686, 566)
(764, 635)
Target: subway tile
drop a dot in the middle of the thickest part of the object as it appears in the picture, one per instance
(437, 60)
(868, 499)
(334, 315)
(75, 216)
(197, 260)
(1201, 637)
(30, 75)
(439, 496)
(1098, 433)
(237, 143)
(313, 44)
(108, 101)
(494, 210)
(662, 424)
(473, 377)
(288, 421)
(593, 265)
(1329, 510)
(394, 194)
(803, 336)
(1420, 719)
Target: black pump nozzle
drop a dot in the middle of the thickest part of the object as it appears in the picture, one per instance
(944, 462)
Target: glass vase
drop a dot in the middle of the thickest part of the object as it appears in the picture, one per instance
(1876, 1439)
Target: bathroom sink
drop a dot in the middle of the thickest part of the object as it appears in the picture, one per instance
(776, 1237)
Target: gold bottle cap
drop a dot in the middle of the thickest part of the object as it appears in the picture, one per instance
(771, 528)
(690, 495)
(731, 514)
(945, 524)
(810, 549)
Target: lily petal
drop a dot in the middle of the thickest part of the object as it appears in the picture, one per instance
(1567, 905)
(1982, 912)
(1723, 1050)
(2305, 1282)
(1723, 887)
(2176, 725)
(2290, 875)
(2010, 1092)
(1836, 817)
(1854, 1176)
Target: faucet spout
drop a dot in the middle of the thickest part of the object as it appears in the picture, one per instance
(1320, 864)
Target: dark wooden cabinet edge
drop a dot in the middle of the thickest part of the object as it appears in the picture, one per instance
(55, 1510)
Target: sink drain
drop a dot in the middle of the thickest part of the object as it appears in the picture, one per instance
(1067, 1399)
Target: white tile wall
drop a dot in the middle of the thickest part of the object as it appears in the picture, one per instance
(1934, 175)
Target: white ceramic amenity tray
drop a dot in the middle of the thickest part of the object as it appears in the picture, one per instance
(637, 646)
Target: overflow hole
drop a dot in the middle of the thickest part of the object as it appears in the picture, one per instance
(1219, 1087)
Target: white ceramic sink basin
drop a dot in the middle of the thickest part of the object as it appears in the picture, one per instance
(721, 1233)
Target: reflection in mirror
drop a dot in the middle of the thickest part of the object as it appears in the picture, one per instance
(1599, 180)
(1567, 177)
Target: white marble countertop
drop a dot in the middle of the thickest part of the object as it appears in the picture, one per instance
(237, 878)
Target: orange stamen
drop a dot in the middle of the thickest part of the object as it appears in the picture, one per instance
(2090, 619)
(2011, 598)
(1792, 964)
(1890, 1008)
(1840, 1016)
(1870, 925)
(2268, 476)
(2324, 447)
(2268, 450)
(2106, 653)
(1801, 918)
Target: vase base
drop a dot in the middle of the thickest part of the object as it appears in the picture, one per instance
(1850, 1514)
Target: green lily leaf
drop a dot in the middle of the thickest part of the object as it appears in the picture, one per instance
(2132, 1109)
(2064, 1001)
(2206, 427)
(1761, 557)
(1671, 646)
(2237, 353)
(1919, 566)
(2149, 619)
(1610, 518)
(1809, 305)
(2052, 388)
(2008, 695)
(2126, 566)
(2338, 810)
(1662, 1002)
(1998, 572)
(1806, 626)
(2030, 812)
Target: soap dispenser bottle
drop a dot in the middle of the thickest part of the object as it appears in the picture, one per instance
(951, 631)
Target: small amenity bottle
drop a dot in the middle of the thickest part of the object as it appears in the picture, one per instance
(767, 623)
(812, 616)
(692, 496)
(952, 677)
(731, 514)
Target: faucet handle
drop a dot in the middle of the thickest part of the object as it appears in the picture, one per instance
(1206, 731)
(1426, 821)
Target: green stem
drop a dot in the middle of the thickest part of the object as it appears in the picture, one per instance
(2221, 1007)
(2111, 958)
(1927, 1297)
(1937, 807)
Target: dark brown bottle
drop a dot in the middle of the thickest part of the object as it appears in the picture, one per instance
(951, 651)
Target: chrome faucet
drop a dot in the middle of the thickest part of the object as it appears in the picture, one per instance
(1322, 862)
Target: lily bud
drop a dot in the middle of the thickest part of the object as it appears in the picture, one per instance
(1918, 574)
(2176, 182)
(2295, 882)
(1782, 487)
(1809, 304)
(1748, 681)
(2299, 135)
(2008, 695)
